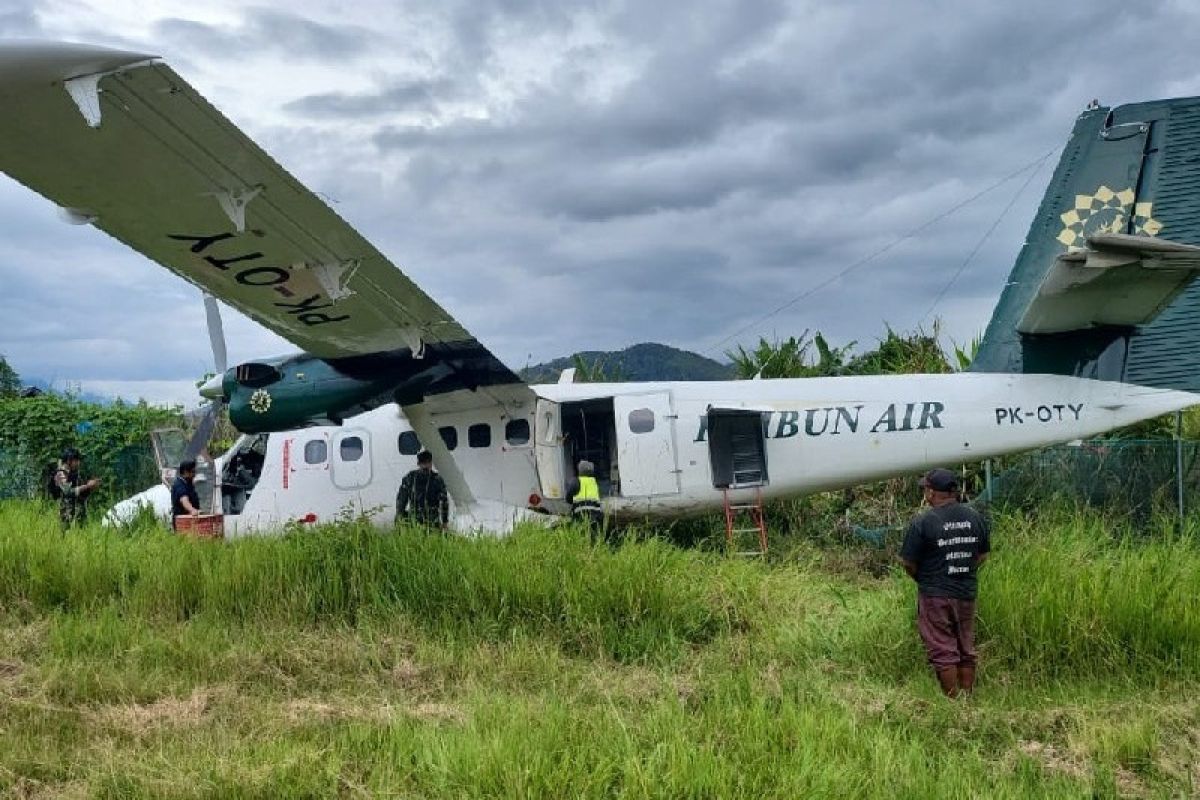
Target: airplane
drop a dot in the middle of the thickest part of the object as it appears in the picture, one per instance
(1094, 330)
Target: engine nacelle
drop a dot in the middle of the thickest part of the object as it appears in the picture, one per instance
(294, 392)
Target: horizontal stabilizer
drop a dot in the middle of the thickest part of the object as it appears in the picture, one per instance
(1119, 280)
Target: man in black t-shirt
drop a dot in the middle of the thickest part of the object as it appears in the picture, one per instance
(942, 551)
(184, 500)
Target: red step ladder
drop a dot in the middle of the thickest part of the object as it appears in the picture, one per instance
(749, 516)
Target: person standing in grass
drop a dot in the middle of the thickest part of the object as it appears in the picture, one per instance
(71, 490)
(423, 495)
(584, 493)
(184, 499)
(943, 551)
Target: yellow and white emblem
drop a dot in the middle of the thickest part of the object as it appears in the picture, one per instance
(1106, 211)
(260, 401)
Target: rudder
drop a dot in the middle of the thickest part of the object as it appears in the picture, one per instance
(1133, 170)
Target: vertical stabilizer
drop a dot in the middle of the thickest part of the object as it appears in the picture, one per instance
(1132, 170)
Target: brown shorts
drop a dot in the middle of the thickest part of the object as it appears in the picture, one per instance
(947, 627)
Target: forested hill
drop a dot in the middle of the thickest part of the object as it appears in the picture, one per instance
(641, 362)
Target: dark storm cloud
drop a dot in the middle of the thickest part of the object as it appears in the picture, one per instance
(588, 175)
(291, 35)
(861, 109)
(413, 94)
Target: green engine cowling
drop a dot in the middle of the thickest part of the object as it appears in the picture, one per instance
(295, 392)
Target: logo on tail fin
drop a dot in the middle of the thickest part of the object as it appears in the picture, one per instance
(1106, 211)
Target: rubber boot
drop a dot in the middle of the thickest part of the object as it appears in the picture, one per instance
(948, 678)
(966, 678)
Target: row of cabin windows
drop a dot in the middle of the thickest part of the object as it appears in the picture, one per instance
(479, 435)
(316, 451)
(516, 433)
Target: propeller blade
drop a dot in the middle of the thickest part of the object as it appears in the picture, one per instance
(204, 432)
(216, 333)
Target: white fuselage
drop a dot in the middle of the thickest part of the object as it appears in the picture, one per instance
(670, 449)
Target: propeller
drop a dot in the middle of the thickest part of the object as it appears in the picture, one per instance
(212, 388)
(216, 332)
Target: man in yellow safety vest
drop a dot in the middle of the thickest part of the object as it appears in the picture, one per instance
(584, 492)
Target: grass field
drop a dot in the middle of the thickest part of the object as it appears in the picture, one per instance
(345, 662)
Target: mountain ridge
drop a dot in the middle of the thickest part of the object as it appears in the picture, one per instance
(646, 361)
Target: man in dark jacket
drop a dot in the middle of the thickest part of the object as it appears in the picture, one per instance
(942, 551)
(71, 490)
(422, 496)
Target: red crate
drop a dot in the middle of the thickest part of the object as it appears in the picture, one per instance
(204, 526)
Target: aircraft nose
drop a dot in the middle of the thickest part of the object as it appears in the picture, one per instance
(212, 388)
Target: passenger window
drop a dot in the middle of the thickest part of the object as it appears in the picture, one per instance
(516, 432)
(449, 436)
(479, 435)
(409, 444)
(351, 448)
(315, 451)
(641, 420)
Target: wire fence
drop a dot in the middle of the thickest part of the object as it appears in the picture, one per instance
(1134, 477)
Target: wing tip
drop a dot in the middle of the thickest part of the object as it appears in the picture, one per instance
(37, 61)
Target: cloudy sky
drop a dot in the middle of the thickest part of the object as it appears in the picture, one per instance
(588, 175)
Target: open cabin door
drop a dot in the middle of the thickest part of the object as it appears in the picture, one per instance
(169, 446)
(548, 449)
(737, 447)
(646, 444)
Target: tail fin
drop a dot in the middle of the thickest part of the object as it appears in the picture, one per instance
(1091, 294)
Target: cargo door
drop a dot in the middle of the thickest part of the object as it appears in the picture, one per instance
(548, 449)
(646, 444)
(737, 447)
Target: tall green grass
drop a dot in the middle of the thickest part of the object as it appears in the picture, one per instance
(1064, 594)
(345, 661)
(631, 603)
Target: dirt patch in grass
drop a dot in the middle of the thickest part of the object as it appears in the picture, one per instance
(29, 789)
(1054, 758)
(166, 712)
(437, 712)
(306, 711)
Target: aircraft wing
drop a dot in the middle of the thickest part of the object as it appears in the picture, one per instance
(1117, 280)
(120, 140)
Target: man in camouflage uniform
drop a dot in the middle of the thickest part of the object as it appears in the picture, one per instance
(422, 496)
(72, 492)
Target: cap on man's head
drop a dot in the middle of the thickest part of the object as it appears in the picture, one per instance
(940, 480)
(586, 468)
(70, 453)
(424, 457)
